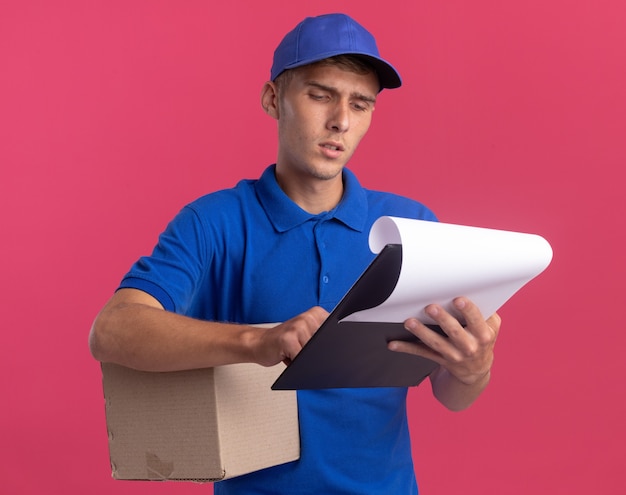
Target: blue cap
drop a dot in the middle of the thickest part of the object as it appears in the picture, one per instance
(329, 35)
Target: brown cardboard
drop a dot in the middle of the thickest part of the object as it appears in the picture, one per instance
(198, 425)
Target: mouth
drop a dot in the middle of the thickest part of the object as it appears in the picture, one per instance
(332, 146)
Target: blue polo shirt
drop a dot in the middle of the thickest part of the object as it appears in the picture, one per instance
(251, 255)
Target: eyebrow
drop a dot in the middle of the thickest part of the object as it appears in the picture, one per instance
(331, 89)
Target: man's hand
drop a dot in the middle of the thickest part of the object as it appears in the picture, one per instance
(284, 341)
(465, 356)
(135, 331)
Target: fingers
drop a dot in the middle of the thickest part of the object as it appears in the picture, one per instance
(476, 328)
(460, 340)
(467, 352)
(285, 341)
(483, 330)
(417, 349)
(434, 346)
(312, 319)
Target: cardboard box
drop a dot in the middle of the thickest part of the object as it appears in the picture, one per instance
(198, 425)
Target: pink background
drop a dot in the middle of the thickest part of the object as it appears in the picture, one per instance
(113, 114)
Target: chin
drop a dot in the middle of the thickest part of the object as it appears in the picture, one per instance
(326, 171)
(325, 174)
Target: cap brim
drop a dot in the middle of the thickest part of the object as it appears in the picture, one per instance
(388, 76)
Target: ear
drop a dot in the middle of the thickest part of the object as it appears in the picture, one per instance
(269, 99)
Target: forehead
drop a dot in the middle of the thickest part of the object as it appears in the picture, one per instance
(337, 78)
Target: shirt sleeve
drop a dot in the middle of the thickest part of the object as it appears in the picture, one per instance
(174, 270)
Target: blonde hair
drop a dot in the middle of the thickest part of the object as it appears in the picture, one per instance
(352, 63)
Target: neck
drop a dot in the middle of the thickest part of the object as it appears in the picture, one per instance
(313, 195)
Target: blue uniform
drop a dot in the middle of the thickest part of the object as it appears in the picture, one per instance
(251, 255)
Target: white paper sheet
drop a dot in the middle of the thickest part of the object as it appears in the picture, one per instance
(443, 261)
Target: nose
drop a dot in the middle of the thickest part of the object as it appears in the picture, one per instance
(339, 118)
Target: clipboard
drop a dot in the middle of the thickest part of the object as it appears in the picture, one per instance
(441, 262)
(350, 354)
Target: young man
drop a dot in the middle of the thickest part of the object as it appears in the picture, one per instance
(297, 235)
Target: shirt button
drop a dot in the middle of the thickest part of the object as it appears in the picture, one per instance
(325, 279)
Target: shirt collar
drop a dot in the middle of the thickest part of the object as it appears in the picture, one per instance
(285, 214)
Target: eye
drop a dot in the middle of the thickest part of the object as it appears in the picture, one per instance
(317, 96)
(361, 106)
